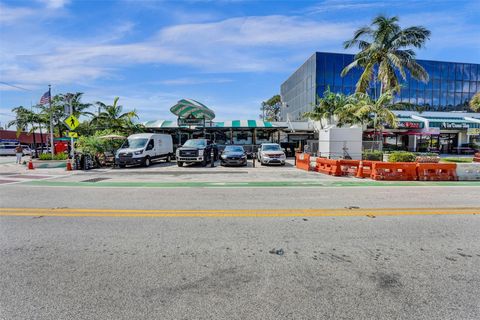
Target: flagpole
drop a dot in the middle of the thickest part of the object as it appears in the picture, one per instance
(51, 120)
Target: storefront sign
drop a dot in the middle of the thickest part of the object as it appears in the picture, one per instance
(451, 125)
(473, 131)
(410, 125)
(191, 121)
(431, 131)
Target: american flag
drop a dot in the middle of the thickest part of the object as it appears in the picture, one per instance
(45, 98)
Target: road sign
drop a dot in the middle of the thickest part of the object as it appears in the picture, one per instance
(72, 134)
(72, 122)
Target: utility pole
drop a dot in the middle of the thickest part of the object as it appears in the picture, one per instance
(51, 120)
(72, 147)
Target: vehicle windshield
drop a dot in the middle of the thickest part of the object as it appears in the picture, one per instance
(233, 149)
(271, 147)
(195, 143)
(135, 143)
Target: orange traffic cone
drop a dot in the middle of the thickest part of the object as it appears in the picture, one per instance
(69, 165)
(30, 164)
(359, 170)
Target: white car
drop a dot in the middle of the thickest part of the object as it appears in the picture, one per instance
(271, 153)
(26, 150)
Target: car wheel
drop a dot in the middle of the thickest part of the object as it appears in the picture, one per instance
(121, 165)
(283, 163)
(179, 163)
(147, 162)
(204, 162)
(168, 159)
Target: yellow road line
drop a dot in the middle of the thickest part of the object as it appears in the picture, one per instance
(304, 210)
(241, 213)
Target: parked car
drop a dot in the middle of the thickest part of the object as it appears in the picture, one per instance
(271, 153)
(233, 156)
(26, 150)
(144, 148)
(8, 148)
(196, 151)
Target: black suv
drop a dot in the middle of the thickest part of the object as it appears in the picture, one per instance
(196, 150)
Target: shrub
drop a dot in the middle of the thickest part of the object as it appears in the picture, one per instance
(402, 156)
(372, 155)
(48, 156)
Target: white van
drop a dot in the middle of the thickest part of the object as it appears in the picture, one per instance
(143, 148)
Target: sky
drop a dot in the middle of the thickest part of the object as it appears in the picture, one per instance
(229, 55)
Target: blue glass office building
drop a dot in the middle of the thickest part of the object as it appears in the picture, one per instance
(450, 88)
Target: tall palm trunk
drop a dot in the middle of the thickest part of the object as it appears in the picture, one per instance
(41, 139)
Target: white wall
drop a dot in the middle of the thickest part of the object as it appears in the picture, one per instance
(333, 140)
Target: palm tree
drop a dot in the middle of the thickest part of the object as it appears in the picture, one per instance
(475, 102)
(74, 99)
(386, 47)
(23, 119)
(376, 113)
(328, 107)
(111, 117)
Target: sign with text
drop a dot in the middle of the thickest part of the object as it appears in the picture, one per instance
(452, 125)
(191, 122)
(410, 125)
(72, 134)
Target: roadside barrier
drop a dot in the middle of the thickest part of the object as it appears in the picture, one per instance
(313, 163)
(303, 161)
(468, 171)
(366, 170)
(328, 166)
(437, 171)
(394, 171)
(348, 167)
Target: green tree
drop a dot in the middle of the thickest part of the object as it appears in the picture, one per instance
(475, 102)
(385, 48)
(112, 117)
(271, 108)
(331, 107)
(373, 113)
(23, 119)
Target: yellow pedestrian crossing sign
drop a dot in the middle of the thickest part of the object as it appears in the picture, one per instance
(72, 122)
(73, 134)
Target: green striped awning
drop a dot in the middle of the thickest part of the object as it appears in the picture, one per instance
(244, 124)
(160, 124)
(191, 108)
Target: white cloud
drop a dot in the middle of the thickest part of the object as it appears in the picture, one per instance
(193, 81)
(250, 44)
(9, 15)
(55, 4)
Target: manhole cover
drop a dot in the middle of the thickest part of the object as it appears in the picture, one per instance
(95, 180)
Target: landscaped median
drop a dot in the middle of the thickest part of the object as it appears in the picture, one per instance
(392, 171)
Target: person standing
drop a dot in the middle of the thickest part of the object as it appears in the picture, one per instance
(19, 153)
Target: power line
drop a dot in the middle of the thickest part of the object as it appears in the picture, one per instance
(14, 86)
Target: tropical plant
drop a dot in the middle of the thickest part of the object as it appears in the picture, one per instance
(385, 50)
(475, 102)
(329, 107)
(402, 156)
(271, 108)
(374, 113)
(113, 117)
(23, 119)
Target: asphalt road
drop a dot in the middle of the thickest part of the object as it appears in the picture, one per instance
(214, 266)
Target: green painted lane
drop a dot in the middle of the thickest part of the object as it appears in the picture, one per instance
(250, 184)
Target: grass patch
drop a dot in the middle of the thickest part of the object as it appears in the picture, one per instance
(457, 160)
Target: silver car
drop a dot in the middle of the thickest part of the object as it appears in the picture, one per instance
(271, 153)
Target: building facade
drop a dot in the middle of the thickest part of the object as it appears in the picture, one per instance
(450, 88)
